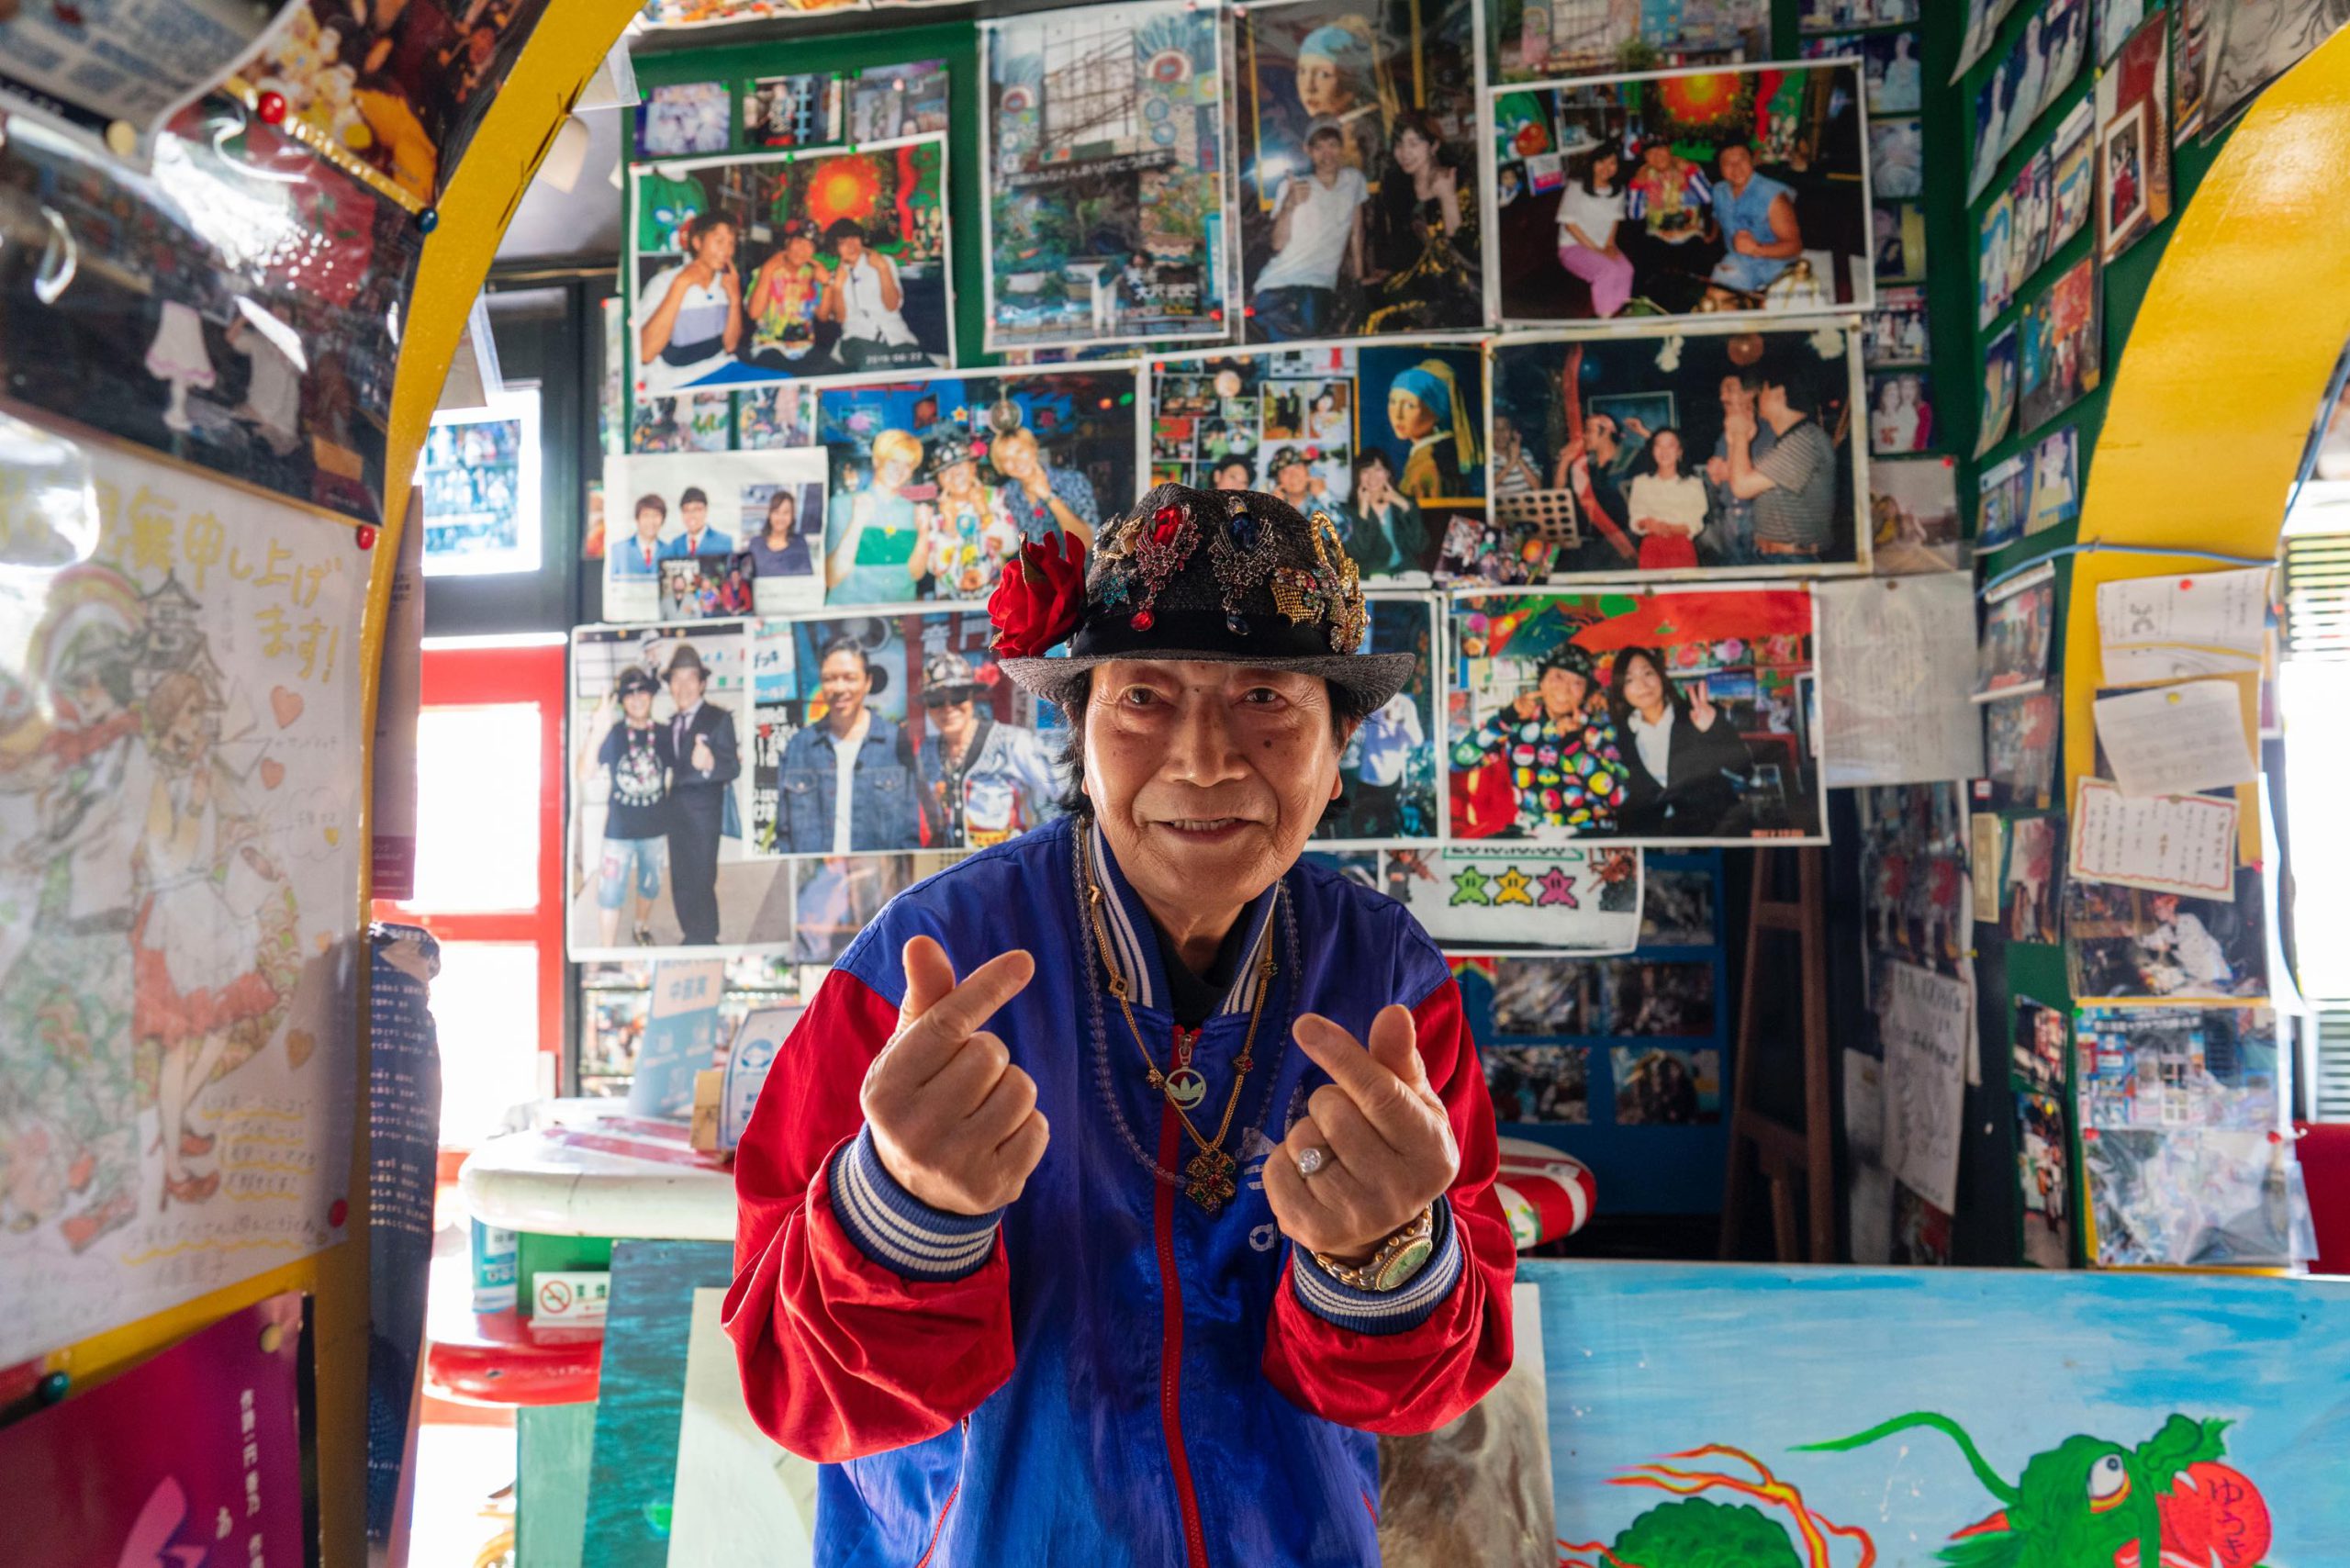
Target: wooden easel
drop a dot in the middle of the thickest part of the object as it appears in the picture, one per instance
(1785, 1155)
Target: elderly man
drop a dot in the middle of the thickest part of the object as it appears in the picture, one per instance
(1564, 758)
(1119, 1248)
(986, 780)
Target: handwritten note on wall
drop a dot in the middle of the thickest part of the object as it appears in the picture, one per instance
(2167, 844)
(2173, 740)
(2172, 628)
(1926, 1022)
(1896, 680)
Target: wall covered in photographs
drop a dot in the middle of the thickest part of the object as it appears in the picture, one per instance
(753, 269)
(936, 481)
(2030, 78)
(1360, 205)
(1721, 190)
(715, 534)
(660, 859)
(1670, 716)
(1679, 451)
(1470, 902)
(1387, 438)
(1105, 156)
(947, 753)
(1621, 1061)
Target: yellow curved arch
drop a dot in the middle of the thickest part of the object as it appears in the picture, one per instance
(2231, 355)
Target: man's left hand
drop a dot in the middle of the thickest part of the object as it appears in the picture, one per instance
(1387, 1150)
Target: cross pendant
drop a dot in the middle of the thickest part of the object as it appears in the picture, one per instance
(1210, 1184)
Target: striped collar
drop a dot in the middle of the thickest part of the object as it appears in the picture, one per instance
(1131, 954)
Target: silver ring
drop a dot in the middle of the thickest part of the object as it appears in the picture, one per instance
(1309, 1162)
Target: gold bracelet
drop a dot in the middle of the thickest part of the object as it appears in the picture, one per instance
(1396, 1259)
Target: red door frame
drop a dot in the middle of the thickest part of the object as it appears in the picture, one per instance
(477, 677)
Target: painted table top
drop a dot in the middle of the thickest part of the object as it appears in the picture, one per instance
(583, 1168)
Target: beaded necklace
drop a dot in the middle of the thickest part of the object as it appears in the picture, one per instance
(1208, 1179)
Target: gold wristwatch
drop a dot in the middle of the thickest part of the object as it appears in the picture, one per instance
(1398, 1258)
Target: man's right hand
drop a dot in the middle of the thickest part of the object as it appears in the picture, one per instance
(952, 1119)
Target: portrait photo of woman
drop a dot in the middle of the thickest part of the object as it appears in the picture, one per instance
(1683, 759)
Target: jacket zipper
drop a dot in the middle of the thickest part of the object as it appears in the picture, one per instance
(939, 1527)
(1171, 1353)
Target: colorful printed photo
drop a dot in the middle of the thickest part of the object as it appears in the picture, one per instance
(946, 754)
(2037, 69)
(1717, 190)
(2126, 942)
(1998, 415)
(659, 863)
(2019, 619)
(1104, 160)
(2060, 355)
(1361, 206)
(936, 482)
(1540, 41)
(1680, 451)
(684, 118)
(1913, 517)
(754, 520)
(1889, 66)
(1539, 1083)
(1384, 437)
(1664, 717)
(2134, 141)
(1660, 1087)
(789, 264)
(1901, 413)
(1896, 331)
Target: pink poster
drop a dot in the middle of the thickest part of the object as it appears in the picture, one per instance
(191, 1461)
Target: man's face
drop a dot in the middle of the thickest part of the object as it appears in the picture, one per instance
(1015, 456)
(846, 682)
(1601, 432)
(1738, 165)
(648, 524)
(1327, 152)
(1207, 779)
(1658, 158)
(1562, 692)
(696, 515)
(1293, 478)
(1736, 399)
(954, 719)
(685, 688)
(1772, 402)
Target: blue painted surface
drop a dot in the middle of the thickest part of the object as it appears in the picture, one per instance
(1646, 1361)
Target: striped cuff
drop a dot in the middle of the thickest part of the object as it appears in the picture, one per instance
(1383, 1312)
(897, 1230)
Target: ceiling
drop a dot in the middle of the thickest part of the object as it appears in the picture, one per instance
(583, 222)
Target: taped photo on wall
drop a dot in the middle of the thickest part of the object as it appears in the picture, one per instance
(1386, 438)
(1663, 717)
(1913, 517)
(753, 270)
(715, 534)
(1539, 1083)
(2129, 942)
(937, 481)
(1105, 167)
(1717, 190)
(658, 862)
(893, 732)
(1360, 209)
(1680, 451)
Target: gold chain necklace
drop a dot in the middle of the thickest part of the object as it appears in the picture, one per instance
(1210, 1173)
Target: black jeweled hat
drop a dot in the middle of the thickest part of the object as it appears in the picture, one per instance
(1229, 576)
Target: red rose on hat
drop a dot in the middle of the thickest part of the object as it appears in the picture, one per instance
(1038, 600)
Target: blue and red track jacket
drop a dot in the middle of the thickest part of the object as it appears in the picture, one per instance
(1103, 1373)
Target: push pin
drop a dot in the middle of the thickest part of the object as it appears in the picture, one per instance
(366, 536)
(53, 1386)
(429, 219)
(271, 108)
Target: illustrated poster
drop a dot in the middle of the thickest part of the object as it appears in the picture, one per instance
(179, 930)
(1556, 900)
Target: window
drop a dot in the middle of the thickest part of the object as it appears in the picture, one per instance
(489, 873)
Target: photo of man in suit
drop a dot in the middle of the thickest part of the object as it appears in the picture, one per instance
(702, 740)
(698, 539)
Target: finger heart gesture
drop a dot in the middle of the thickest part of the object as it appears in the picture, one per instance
(952, 1119)
(1376, 1139)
